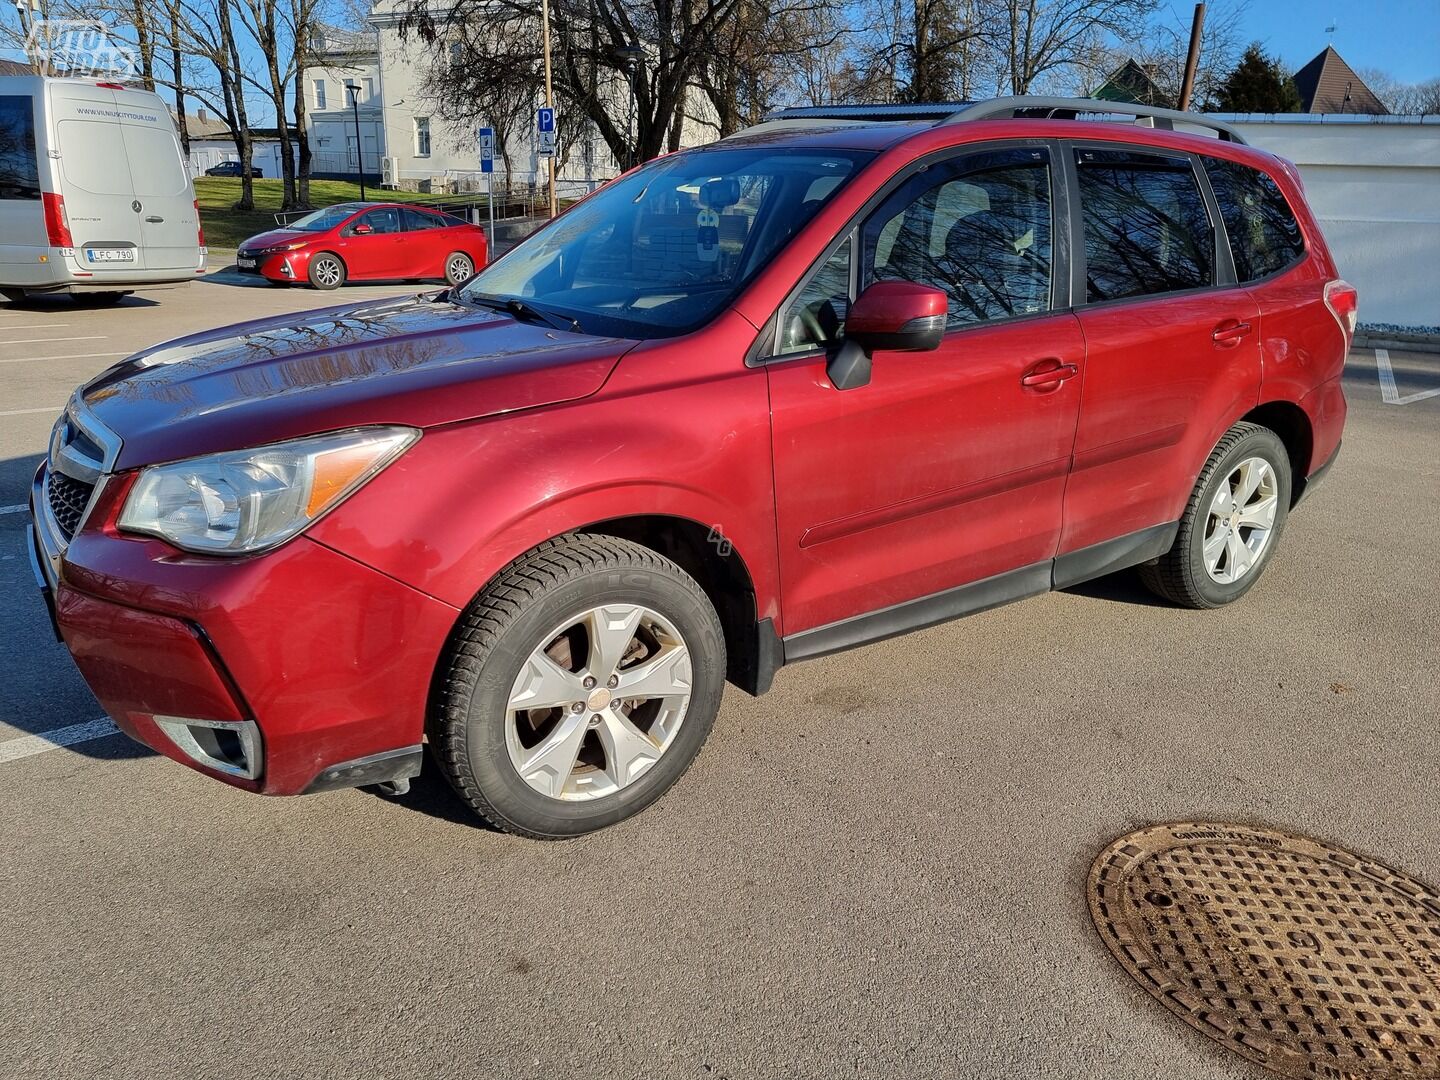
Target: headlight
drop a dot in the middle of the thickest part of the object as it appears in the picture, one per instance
(294, 245)
(250, 500)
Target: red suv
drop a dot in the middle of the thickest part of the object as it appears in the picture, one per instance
(360, 241)
(817, 384)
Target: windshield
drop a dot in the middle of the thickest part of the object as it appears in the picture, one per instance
(662, 251)
(324, 219)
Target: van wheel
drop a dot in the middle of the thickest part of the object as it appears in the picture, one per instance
(458, 268)
(327, 271)
(578, 687)
(1231, 525)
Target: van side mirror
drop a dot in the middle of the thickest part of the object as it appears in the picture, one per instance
(899, 316)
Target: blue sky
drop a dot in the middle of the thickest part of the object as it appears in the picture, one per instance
(1398, 36)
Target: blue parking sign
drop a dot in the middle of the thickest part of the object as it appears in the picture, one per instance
(545, 120)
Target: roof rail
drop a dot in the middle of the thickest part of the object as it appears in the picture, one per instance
(1059, 108)
(1050, 108)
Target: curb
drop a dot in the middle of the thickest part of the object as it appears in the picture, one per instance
(1422, 343)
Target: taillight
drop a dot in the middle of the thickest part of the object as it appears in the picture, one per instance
(57, 225)
(1344, 303)
(199, 225)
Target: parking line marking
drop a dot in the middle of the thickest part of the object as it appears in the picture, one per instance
(17, 509)
(38, 326)
(24, 412)
(43, 340)
(28, 745)
(66, 356)
(1389, 392)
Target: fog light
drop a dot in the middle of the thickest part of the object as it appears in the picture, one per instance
(285, 268)
(227, 746)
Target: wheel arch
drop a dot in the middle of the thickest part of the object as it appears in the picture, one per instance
(1290, 422)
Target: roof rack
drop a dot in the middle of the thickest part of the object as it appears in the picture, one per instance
(1028, 107)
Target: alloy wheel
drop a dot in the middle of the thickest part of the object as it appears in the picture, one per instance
(327, 272)
(597, 702)
(1241, 520)
(458, 269)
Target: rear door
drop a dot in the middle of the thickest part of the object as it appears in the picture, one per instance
(94, 178)
(427, 242)
(1171, 343)
(160, 183)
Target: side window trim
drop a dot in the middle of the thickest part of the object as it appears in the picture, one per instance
(1077, 222)
(1225, 275)
(762, 349)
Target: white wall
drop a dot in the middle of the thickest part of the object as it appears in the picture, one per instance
(1374, 183)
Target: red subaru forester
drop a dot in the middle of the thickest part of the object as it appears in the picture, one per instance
(843, 375)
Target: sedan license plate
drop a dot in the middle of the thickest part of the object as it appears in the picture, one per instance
(245, 264)
(99, 255)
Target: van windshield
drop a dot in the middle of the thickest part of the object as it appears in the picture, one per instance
(324, 219)
(662, 251)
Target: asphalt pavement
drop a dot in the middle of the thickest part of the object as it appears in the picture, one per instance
(876, 870)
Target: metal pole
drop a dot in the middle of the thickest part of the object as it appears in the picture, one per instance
(490, 199)
(549, 98)
(1187, 87)
(359, 147)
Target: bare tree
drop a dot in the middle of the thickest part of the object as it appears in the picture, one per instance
(1040, 43)
(1403, 99)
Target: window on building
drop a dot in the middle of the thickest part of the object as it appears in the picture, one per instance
(369, 90)
(422, 136)
(1146, 227)
(977, 226)
(457, 54)
(319, 94)
(1264, 235)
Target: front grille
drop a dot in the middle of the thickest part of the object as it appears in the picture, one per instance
(68, 498)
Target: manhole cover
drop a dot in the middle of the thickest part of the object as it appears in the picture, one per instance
(1302, 957)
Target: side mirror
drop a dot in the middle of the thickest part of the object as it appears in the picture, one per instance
(899, 316)
(362, 230)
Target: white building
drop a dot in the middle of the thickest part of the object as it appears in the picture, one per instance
(401, 136)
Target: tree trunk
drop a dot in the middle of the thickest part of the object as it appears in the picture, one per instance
(302, 142)
(234, 89)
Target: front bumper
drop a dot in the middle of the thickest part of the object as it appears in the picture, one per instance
(300, 669)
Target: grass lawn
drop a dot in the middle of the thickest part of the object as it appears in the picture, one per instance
(225, 228)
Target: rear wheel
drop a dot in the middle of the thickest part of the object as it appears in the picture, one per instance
(327, 271)
(458, 268)
(578, 687)
(1231, 524)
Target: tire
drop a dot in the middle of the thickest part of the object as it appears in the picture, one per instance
(479, 738)
(459, 268)
(327, 271)
(1184, 575)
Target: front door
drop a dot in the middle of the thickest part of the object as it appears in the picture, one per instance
(374, 244)
(948, 467)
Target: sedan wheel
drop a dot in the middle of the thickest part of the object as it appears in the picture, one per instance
(578, 687)
(327, 271)
(459, 268)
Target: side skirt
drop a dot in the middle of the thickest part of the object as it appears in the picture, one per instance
(1059, 573)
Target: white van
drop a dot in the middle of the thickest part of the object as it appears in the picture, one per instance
(95, 198)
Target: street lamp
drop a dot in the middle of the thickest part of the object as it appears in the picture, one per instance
(629, 57)
(354, 91)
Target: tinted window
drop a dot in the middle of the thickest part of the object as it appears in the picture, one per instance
(978, 227)
(664, 249)
(328, 218)
(19, 178)
(416, 220)
(1264, 235)
(1146, 229)
(816, 318)
(380, 221)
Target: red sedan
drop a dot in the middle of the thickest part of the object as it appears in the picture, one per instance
(366, 241)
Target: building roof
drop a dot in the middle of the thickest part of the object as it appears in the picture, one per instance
(1132, 84)
(12, 67)
(1328, 84)
(204, 125)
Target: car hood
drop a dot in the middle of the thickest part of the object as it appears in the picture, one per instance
(277, 236)
(412, 360)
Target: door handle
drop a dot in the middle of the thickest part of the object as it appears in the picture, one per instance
(1230, 332)
(1048, 373)
(154, 219)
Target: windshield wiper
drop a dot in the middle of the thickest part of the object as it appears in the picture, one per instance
(527, 312)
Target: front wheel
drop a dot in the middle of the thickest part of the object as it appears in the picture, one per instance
(1231, 525)
(458, 268)
(327, 271)
(577, 687)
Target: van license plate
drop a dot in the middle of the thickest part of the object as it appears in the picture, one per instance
(98, 255)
